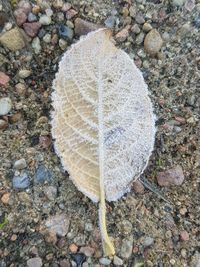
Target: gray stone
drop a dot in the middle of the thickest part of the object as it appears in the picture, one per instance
(47, 38)
(20, 164)
(32, 17)
(24, 74)
(21, 181)
(88, 251)
(139, 38)
(82, 27)
(148, 241)
(43, 175)
(63, 44)
(36, 45)
(89, 227)
(45, 20)
(104, 261)
(58, 224)
(117, 261)
(50, 192)
(173, 176)
(80, 239)
(110, 22)
(5, 106)
(178, 3)
(34, 262)
(12, 39)
(126, 248)
(153, 42)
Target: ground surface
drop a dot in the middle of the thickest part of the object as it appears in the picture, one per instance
(44, 220)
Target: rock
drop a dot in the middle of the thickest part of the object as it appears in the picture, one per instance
(125, 227)
(5, 106)
(153, 42)
(126, 247)
(21, 182)
(65, 32)
(36, 45)
(140, 38)
(20, 164)
(138, 187)
(197, 22)
(45, 141)
(110, 22)
(43, 175)
(178, 3)
(32, 17)
(135, 28)
(3, 124)
(20, 16)
(80, 239)
(12, 39)
(24, 73)
(62, 44)
(171, 177)
(104, 261)
(3, 18)
(58, 224)
(3, 60)
(139, 19)
(73, 248)
(25, 6)
(47, 38)
(66, 7)
(148, 241)
(4, 79)
(34, 262)
(5, 198)
(79, 258)
(88, 251)
(117, 261)
(45, 20)
(71, 13)
(88, 227)
(36, 9)
(31, 28)
(184, 236)
(50, 192)
(190, 5)
(83, 27)
(51, 238)
(147, 27)
(64, 263)
(122, 35)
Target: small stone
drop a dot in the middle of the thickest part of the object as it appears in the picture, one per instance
(24, 73)
(147, 27)
(36, 9)
(25, 6)
(148, 241)
(5, 198)
(71, 13)
(139, 19)
(51, 238)
(65, 32)
(43, 175)
(121, 36)
(47, 38)
(36, 45)
(66, 7)
(31, 28)
(88, 251)
(45, 20)
(88, 227)
(49, 12)
(138, 187)
(135, 28)
(153, 42)
(58, 224)
(60, 17)
(64, 263)
(20, 164)
(15, 117)
(79, 240)
(73, 248)
(104, 261)
(57, 4)
(125, 226)
(3, 18)
(50, 192)
(126, 247)
(190, 5)
(5, 106)
(140, 38)
(21, 182)
(13, 237)
(110, 22)
(79, 258)
(4, 79)
(83, 27)
(117, 261)
(171, 177)
(178, 3)
(20, 16)
(12, 39)
(34, 262)
(32, 17)
(3, 124)
(62, 44)
(132, 11)
(184, 236)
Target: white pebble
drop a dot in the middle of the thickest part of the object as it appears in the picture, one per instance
(5, 106)
(45, 20)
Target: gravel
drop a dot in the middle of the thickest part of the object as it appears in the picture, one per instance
(21, 181)
(43, 175)
(20, 164)
(5, 105)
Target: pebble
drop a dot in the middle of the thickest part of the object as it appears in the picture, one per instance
(20, 16)
(45, 20)
(117, 261)
(43, 175)
(5, 106)
(4, 79)
(20, 88)
(122, 35)
(71, 13)
(12, 39)
(139, 18)
(73, 248)
(64, 263)
(138, 187)
(79, 258)
(88, 251)
(147, 27)
(173, 176)
(190, 5)
(110, 22)
(47, 38)
(65, 32)
(148, 241)
(62, 44)
(178, 3)
(79, 240)
(66, 7)
(15, 117)
(32, 17)
(50, 192)
(135, 28)
(89, 227)
(21, 182)
(20, 164)
(184, 236)
(126, 247)
(24, 73)
(51, 238)
(49, 12)
(3, 124)
(36, 9)
(31, 28)
(36, 45)
(25, 6)
(153, 42)
(83, 27)
(5, 198)
(139, 38)
(104, 261)
(34, 262)
(58, 224)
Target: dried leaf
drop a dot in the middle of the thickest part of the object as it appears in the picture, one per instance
(103, 123)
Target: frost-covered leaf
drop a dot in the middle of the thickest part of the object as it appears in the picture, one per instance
(103, 123)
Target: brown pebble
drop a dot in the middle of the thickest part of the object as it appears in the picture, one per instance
(3, 124)
(15, 117)
(4, 79)
(31, 28)
(20, 16)
(73, 248)
(13, 237)
(184, 236)
(138, 187)
(153, 42)
(122, 35)
(5, 198)
(71, 13)
(83, 27)
(36, 9)
(51, 238)
(173, 176)
(45, 141)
